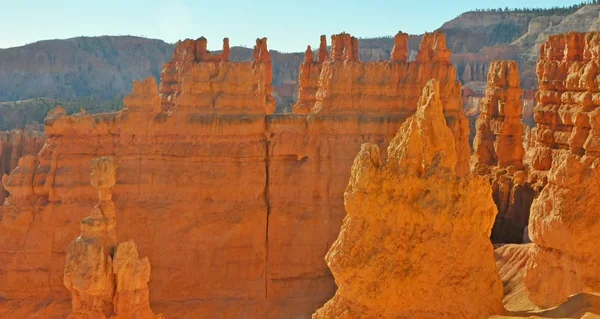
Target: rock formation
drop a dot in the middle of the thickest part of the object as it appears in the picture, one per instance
(433, 259)
(209, 80)
(348, 86)
(106, 280)
(564, 223)
(235, 207)
(309, 76)
(17, 143)
(499, 135)
(498, 151)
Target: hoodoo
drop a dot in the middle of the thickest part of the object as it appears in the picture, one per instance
(414, 243)
(106, 280)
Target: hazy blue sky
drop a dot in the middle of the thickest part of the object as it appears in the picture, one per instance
(289, 25)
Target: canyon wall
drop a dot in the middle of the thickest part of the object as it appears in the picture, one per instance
(15, 144)
(234, 206)
(564, 223)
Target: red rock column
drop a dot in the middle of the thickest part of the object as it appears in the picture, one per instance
(400, 49)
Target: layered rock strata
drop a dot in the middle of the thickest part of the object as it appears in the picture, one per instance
(498, 151)
(235, 207)
(414, 243)
(106, 280)
(15, 144)
(564, 223)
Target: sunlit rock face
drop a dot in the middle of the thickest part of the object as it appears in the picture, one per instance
(415, 241)
(564, 223)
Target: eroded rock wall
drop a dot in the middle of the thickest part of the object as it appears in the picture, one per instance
(234, 207)
(564, 223)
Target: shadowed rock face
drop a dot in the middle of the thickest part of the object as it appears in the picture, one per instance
(235, 207)
(564, 223)
(498, 152)
(414, 243)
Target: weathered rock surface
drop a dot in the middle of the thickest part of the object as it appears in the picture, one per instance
(234, 207)
(564, 223)
(15, 144)
(424, 253)
(106, 280)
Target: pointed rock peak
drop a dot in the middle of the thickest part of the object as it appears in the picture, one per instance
(323, 54)
(435, 137)
(308, 55)
(430, 104)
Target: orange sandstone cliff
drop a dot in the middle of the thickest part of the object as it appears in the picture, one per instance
(234, 207)
(498, 151)
(414, 243)
(564, 222)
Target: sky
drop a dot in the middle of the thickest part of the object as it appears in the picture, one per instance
(288, 25)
